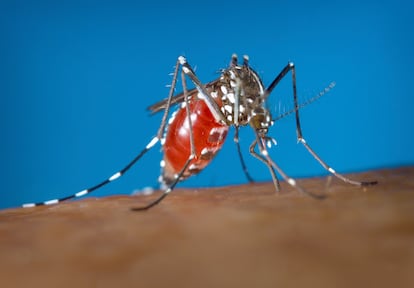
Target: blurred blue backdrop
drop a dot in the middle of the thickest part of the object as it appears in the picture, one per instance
(76, 77)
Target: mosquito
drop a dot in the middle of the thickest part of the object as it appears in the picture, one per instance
(192, 136)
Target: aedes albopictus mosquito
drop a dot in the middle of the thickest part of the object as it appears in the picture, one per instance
(193, 135)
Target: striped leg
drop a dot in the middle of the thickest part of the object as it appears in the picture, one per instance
(266, 162)
(261, 142)
(121, 172)
(310, 150)
(243, 164)
(115, 176)
(192, 155)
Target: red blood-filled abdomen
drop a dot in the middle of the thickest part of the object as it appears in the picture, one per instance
(209, 136)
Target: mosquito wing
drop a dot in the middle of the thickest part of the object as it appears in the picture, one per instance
(179, 98)
(176, 99)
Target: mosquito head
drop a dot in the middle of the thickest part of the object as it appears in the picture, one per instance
(261, 120)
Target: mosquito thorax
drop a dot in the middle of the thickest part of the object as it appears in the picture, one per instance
(241, 91)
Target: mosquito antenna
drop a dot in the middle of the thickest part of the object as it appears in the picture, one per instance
(306, 103)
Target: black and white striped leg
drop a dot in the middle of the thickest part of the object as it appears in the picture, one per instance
(115, 176)
(291, 67)
(265, 158)
(163, 125)
(178, 176)
(310, 150)
(169, 189)
(266, 162)
(331, 170)
(243, 164)
(121, 172)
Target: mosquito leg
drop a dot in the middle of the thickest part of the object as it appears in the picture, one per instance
(169, 189)
(243, 164)
(291, 67)
(178, 176)
(265, 158)
(278, 78)
(161, 129)
(114, 177)
(331, 170)
(310, 150)
(267, 163)
(121, 172)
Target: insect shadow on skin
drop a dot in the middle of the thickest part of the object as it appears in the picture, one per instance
(192, 135)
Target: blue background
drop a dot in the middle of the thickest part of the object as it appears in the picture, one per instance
(76, 77)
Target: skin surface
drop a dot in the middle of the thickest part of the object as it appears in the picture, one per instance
(238, 236)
